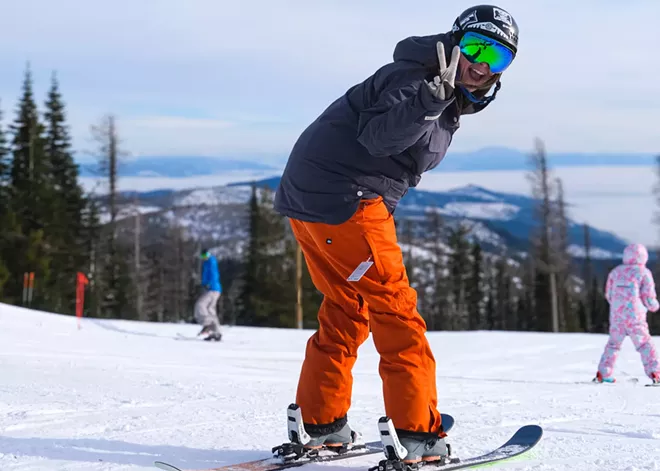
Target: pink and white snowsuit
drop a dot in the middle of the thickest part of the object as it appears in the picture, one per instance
(630, 290)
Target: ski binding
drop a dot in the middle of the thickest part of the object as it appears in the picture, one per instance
(293, 453)
(523, 440)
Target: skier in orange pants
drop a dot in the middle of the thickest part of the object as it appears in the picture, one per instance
(382, 299)
(342, 182)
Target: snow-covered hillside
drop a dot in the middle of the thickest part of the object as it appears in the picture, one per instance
(117, 395)
(497, 220)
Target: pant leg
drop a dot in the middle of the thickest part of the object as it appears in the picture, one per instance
(201, 310)
(212, 309)
(326, 380)
(407, 365)
(609, 356)
(641, 338)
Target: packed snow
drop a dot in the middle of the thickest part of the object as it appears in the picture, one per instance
(117, 395)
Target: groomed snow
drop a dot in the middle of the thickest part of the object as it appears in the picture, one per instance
(117, 395)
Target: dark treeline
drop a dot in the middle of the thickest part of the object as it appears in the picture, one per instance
(53, 228)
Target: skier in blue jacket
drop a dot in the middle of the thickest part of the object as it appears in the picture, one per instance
(206, 312)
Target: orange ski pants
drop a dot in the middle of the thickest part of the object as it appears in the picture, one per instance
(381, 300)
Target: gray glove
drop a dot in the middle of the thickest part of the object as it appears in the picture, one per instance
(442, 86)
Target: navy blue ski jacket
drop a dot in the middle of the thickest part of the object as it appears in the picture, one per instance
(376, 139)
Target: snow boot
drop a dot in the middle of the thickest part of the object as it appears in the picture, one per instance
(422, 446)
(599, 379)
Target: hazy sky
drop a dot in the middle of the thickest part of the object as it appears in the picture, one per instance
(215, 78)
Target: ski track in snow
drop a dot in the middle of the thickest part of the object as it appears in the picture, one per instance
(118, 395)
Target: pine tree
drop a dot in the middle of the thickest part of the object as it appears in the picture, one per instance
(545, 276)
(114, 280)
(249, 284)
(527, 314)
(30, 170)
(654, 321)
(588, 293)
(656, 191)
(169, 274)
(312, 299)
(491, 298)
(458, 272)
(437, 313)
(5, 208)
(409, 260)
(68, 204)
(31, 198)
(91, 242)
(503, 310)
(600, 316)
(5, 166)
(268, 294)
(475, 294)
(276, 304)
(568, 317)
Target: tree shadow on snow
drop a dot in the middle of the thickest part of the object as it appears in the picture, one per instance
(115, 451)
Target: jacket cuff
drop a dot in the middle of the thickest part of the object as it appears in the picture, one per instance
(431, 103)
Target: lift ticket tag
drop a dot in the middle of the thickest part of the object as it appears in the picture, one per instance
(360, 270)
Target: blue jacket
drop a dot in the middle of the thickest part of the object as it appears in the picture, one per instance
(376, 139)
(211, 274)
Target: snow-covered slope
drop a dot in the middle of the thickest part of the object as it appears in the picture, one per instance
(117, 395)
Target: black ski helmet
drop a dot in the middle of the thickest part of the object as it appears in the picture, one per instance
(489, 20)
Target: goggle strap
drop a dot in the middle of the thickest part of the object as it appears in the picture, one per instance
(484, 101)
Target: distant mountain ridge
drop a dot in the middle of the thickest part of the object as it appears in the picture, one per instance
(176, 167)
(498, 220)
(504, 158)
(507, 218)
(489, 158)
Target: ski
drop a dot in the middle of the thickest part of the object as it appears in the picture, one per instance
(292, 454)
(277, 464)
(523, 440)
(198, 339)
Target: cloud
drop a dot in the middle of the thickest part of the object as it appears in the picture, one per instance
(582, 79)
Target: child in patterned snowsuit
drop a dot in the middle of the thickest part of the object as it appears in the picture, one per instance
(630, 290)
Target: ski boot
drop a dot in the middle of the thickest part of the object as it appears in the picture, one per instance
(215, 336)
(304, 444)
(599, 379)
(338, 441)
(655, 377)
(422, 446)
(407, 451)
(205, 330)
